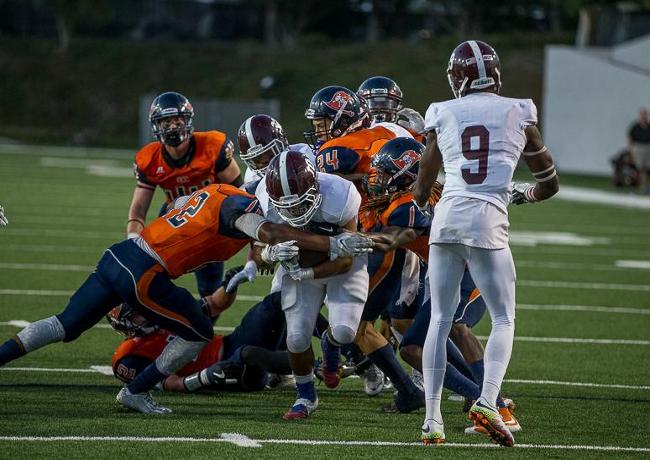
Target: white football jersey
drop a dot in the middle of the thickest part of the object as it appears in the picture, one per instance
(340, 204)
(481, 137)
(305, 149)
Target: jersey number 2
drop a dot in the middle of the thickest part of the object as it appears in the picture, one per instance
(193, 206)
(480, 153)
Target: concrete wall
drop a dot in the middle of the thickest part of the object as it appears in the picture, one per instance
(591, 96)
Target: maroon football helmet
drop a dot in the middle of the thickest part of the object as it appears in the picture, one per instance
(473, 66)
(292, 185)
(260, 139)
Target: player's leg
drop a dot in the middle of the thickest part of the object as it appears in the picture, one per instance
(175, 309)
(87, 306)
(446, 267)
(301, 302)
(346, 295)
(494, 274)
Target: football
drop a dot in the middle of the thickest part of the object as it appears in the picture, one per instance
(308, 259)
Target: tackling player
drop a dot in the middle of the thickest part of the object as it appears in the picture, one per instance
(212, 224)
(180, 162)
(479, 137)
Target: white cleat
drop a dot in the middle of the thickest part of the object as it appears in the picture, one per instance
(140, 402)
(373, 380)
(432, 432)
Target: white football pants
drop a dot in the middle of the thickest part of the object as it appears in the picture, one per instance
(493, 271)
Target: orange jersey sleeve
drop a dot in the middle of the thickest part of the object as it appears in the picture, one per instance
(154, 167)
(202, 231)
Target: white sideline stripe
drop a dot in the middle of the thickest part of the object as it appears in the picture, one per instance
(643, 264)
(575, 340)
(22, 323)
(240, 440)
(581, 285)
(589, 195)
(47, 267)
(107, 370)
(589, 308)
(578, 384)
(315, 442)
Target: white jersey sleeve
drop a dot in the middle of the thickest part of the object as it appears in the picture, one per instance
(306, 151)
(528, 113)
(250, 176)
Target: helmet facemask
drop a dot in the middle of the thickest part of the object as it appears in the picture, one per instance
(383, 108)
(127, 321)
(296, 210)
(258, 157)
(172, 130)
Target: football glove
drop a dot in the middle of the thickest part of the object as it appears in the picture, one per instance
(522, 192)
(3, 219)
(296, 272)
(280, 252)
(248, 273)
(349, 245)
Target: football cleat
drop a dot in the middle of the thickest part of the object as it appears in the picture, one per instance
(509, 419)
(418, 379)
(405, 402)
(490, 419)
(281, 382)
(432, 432)
(301, 409)
(373, 380)
(140, 402)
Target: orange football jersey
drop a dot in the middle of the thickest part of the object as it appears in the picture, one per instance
(150, 346)
(202, 231)
(210, 153)
(352, 153)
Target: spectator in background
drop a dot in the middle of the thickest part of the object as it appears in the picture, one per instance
(639, 140)
(626, 172)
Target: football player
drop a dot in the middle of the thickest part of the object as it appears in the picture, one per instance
(342, 134)
(261, 138)
(384, 98)
(180, 162)
(293, 192)
(479, 138)
(240, 360)
(212, 224)
(3, 219)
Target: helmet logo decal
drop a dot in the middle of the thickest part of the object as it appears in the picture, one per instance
(339, 101)
(407, 159)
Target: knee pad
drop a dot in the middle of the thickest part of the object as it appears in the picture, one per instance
(177, 354)
(297, 343)
(42, 332)
(343, 334)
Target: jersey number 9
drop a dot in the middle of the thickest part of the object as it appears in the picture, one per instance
(480, 153)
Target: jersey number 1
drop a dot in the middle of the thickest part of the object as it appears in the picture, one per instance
(194, 205)
(480, 153)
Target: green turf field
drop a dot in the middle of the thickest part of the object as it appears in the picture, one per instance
(579, 373)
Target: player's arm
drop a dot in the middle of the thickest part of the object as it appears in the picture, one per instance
(391, 238)
(142, 197)
(540, 163)
(430, 165)
(226, 169)
(338, 266)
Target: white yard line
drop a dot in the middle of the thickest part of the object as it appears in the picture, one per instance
(582, 285)
(244, 441)
(589, 195)
(576, 340)
(578, 384)
(585, 308)
(46, 267)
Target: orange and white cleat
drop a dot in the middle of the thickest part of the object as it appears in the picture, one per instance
(432, 432)
(491, 421)
(509, 419)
